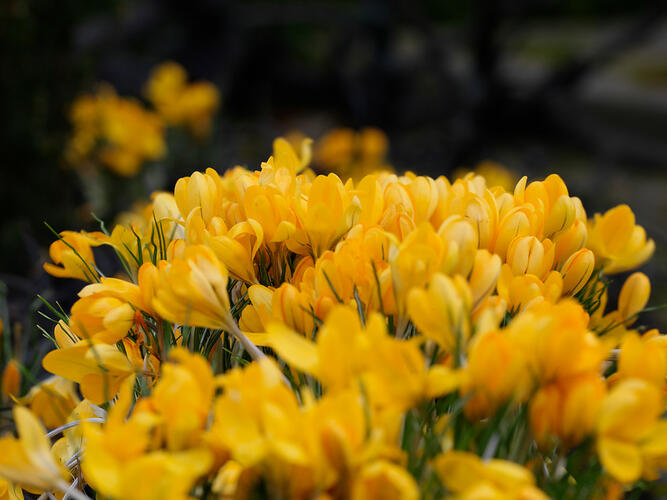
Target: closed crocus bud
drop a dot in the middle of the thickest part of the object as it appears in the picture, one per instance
(577, 270)
(561, 216)
(199, 190)
(11, 380)
(484, 276)
(460, 230)
(371, 197)
(633, 297)
(513, 225)
(483, 213)
(528, 255)
(568, 242)
(424, 194)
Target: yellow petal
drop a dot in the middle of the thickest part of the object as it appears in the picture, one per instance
(297, 351)
(36, 445)
(622, 460)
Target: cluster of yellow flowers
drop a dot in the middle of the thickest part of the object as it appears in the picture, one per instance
(286, 335)
(121, 134)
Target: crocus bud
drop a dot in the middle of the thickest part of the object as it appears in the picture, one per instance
(561, 216)
(513, 225)
(576, 271)
(528, 255)
(11, 380)
(485, 272)
(570, 241)
(633, 297)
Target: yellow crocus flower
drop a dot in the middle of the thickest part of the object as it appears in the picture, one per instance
(73, 256)
(383, 480)
(28, 461)
(329, 212)
(180, 103)
(119, 461)
(566, 409)
(495, 374)
(576, 271)
(192, 290)
(137, 296)
(515, 224)
(528, 255)
(183, 396)
(293, 308)
(271, 209)
(643, 358)
(483, 276)
(202, 192)
(99, 369)
(8, 491)
(525, 291)
(102, 318)
(618, 243)
(392, 370)
(460, 230)
(630, 436)
(52, 400)
(256, 404)
(557, 342)
(468, 477)
(237, 249)
(568, 242)
(634, 296)
(419, 257)
(440, 311)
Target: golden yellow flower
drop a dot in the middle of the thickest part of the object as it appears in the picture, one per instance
(192, 290)
(566, 409)
(179, 103)
(576, 271)
(618, 243)
(73, 256)
(383, 480)
(119, 462)
(643, 358)
(28, 461)
(441, 310)
(99, 369)
(52, 401)
(528, 255)
(495, 374)
(630, 436)
(465, 475)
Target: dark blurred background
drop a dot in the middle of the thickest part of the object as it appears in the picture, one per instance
(577, 87)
